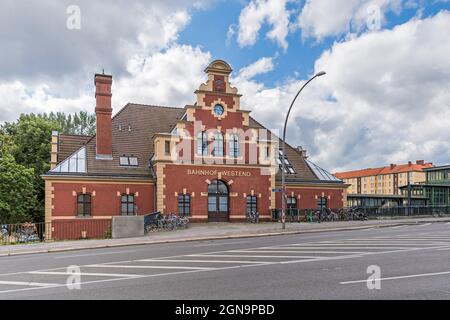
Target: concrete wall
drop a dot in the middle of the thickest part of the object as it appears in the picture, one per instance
(127, 226)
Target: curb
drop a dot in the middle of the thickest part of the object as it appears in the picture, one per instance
(237, 236)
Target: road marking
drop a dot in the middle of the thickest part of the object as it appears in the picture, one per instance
(86, 274)
(443, 249)
(397, 227)
(145, 267)
(29, 284)
(399, 277)
(218, 244)
(203, 261)
(248, 256)
(448, 223)
(94, 254)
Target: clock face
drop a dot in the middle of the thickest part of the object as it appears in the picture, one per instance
(218, 110)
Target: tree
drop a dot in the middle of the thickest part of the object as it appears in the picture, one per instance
(28, 143)
(18, 198)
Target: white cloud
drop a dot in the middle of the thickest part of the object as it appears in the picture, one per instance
(165, 78)
(385, 99)
(323, 18)
(258, 12)
(260, 66)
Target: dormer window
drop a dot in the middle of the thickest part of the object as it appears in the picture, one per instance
(128, 161)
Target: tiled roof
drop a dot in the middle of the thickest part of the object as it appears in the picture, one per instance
(399, 168)
(133, 129)
(68, 144)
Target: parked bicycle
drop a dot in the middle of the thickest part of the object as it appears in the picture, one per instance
(253, 217)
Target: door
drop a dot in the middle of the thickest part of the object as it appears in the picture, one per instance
(218, 201)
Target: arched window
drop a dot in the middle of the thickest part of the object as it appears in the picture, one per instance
(127, 205)
(218, 145)
(202, 144)
(84, 205)
(234, 150)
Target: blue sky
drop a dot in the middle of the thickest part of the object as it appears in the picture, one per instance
(385, 97)
(209, 28)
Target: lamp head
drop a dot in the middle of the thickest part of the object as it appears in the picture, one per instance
(321, 73)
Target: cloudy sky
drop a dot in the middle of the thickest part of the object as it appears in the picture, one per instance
(385, 99)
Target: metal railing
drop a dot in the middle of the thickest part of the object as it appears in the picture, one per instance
(306, 215)
(23, 233)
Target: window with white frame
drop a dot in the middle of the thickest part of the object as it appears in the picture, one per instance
(234, 150)
(128, 161)
(218, 145)
(202, 144)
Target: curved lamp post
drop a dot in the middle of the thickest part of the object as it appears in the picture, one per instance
(283, 177)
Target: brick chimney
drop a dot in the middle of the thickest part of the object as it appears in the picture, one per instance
(393, 166)
(103, 112)
(420, 162)
(409, 163)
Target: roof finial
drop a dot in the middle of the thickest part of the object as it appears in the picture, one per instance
(103, 71)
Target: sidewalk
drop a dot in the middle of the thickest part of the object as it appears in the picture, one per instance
(210, 231)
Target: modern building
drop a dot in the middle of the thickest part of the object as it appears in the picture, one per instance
(211, 161)
(435, 189)
(377, 187)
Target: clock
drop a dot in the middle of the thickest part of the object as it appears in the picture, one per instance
(218, 110)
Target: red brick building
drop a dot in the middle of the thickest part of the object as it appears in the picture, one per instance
(210, 160)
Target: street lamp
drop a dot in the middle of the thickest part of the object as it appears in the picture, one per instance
(283, 177)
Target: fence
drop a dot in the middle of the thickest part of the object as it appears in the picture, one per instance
(303, 215)
(56, 230)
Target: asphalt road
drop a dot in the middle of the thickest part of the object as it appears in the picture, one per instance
(414, 263)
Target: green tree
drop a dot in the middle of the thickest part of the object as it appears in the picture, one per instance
(18, 198)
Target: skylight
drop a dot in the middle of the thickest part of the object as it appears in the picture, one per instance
(288, 168)
(128, 161)
(321, 173)
(76, 163)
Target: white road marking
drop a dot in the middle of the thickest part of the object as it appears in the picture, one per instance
(443, 249)
(28, 284)
(249, 256)
(203, 261)
(399, 277)
(94, 254)
(397, 227)
(144, 267)
(86, 274)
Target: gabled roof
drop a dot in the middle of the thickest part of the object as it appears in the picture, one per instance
(399, 168)
(133, 129)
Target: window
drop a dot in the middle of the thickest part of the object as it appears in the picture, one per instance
(202, 144)
(234, 146)
(218, 145)
(127, 205)
(167, 148)
(184, 205)
(289, 169)
(251, 204)
(84, 205)
(321, 203)
(128, 161)
(76, 163)
(267, 153)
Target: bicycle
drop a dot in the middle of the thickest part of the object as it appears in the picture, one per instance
(252, 217)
